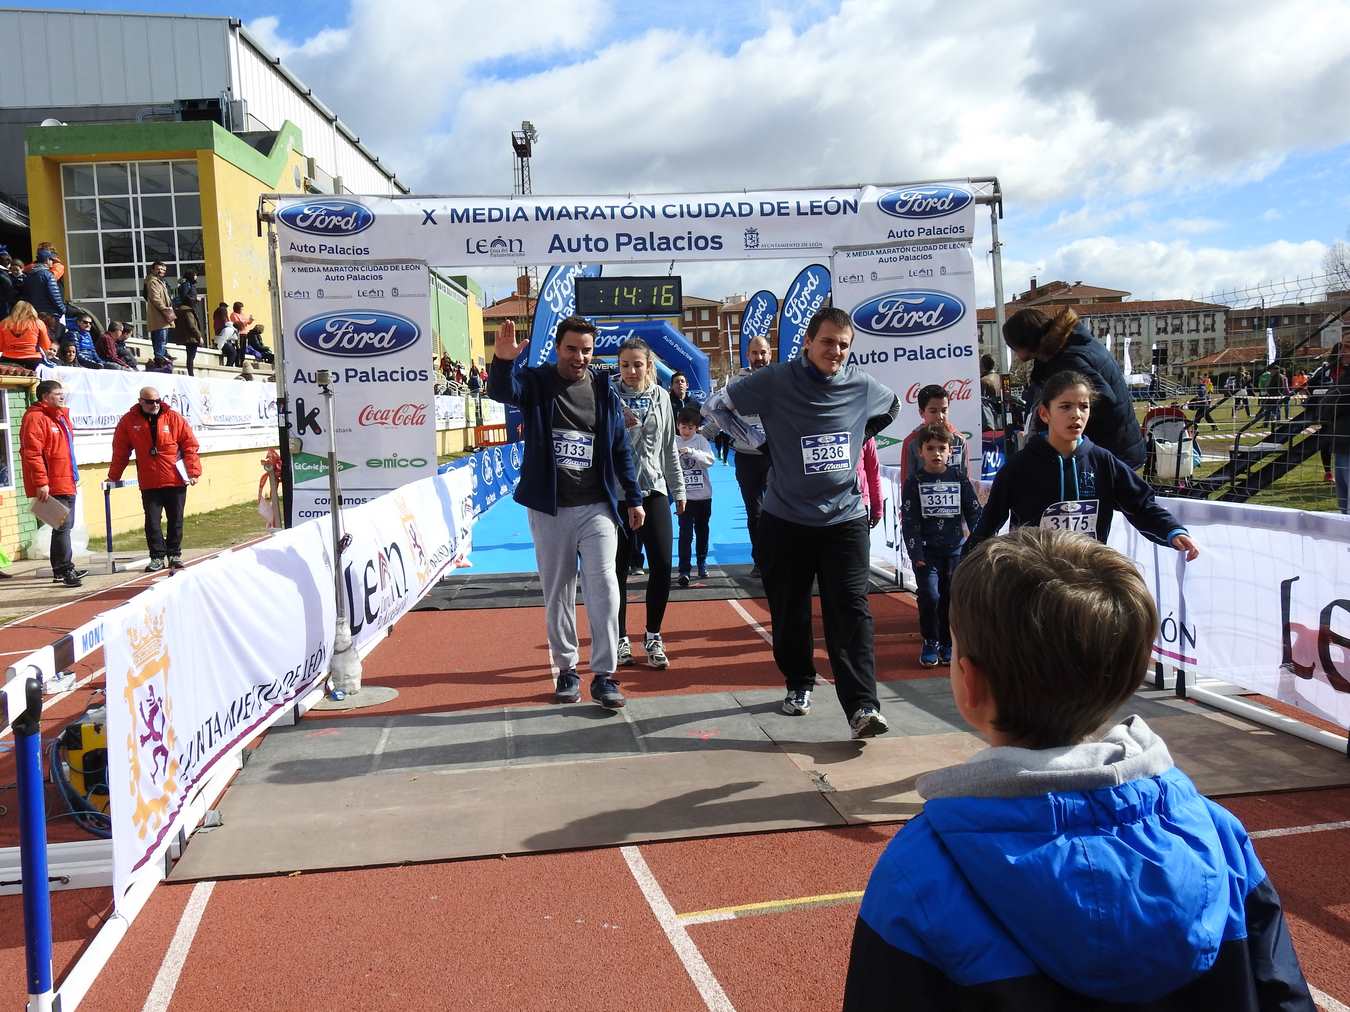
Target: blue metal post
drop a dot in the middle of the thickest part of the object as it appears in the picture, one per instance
(37, 902)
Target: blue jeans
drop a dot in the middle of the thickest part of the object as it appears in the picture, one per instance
(159, 341)
(935, 584)
(1340, 466)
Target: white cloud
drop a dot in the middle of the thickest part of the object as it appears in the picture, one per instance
(1272, 214)
(1192, 226)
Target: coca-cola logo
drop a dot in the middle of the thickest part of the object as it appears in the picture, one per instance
(393, 416)
(957, 390)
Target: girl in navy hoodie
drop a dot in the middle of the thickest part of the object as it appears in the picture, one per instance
(1062, 480)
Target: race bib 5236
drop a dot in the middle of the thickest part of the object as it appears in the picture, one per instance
(826, 452)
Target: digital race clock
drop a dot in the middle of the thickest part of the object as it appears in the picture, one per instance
(642, 296)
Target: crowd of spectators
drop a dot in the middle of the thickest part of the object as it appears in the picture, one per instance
(38, 324)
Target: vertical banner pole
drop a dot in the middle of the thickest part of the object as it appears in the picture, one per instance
(996, 250)
(37, 902)
(346, 665)
(279, 373)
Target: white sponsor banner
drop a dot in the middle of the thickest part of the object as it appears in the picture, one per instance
(1265, 606)
(225, 414)
(450, 412)
(200, 664)
(401, 544)
(369, 325)
(498, 231)
(913, 313)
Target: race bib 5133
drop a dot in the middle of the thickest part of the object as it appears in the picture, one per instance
(572, 449)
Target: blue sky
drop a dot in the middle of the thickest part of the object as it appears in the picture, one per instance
(1159, 148)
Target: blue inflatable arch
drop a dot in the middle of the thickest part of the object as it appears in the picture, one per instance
(670, 346)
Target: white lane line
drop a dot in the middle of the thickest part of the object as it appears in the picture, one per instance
(1328, 1003)
(694, 963)
(750, 620)
(764, 634)
(1320, 827)
(166, 981)
(377, 757)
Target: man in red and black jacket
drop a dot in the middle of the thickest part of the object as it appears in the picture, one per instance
(47, 452)
(166, 464)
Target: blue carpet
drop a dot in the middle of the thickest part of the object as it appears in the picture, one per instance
(502, 544)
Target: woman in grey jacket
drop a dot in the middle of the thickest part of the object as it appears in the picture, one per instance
(650, 426)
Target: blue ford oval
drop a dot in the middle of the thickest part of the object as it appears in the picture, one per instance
(909, 313)
(328, 217)
(924, 201)
(357, 334)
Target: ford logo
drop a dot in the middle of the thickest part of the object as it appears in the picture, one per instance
(328, 217)
(910, 313)
(924, 201)
(357, 334)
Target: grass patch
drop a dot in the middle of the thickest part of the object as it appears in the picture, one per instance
(220, 528)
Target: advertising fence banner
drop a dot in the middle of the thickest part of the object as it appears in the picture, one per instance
(1265, 605)
(224, 413)
(532, 229)
(557, 301)
(492, 474)
(369, 325)
(809, 291)
(450, 412)
(200, 664)
(757, 321)
(913, 313)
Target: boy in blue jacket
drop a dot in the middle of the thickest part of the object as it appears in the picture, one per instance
(1058, 870)
(935, 498)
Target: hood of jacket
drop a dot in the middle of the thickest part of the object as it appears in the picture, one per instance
(1105, 842)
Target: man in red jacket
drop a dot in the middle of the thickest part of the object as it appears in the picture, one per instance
(166, 464)
(47, 451)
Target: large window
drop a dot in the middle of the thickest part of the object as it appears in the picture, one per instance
(120, 218)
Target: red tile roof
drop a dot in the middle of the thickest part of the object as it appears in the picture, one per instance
(513, 307)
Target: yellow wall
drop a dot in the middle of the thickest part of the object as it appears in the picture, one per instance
(236, 256)
(46, 217)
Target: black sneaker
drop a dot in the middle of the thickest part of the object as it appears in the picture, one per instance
(175, 562)
(72, 580)
(155, 566)
(568, 688)
(79, 574)
(684, 579)
(605, 691)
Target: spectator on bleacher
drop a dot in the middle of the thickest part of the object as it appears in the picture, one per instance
(246, 372)
(83, 336)
(47, 453)
(187, 290)
(159, 313)
(119, 333)
(227, 339)
(106, 345)
(186, 330)
(24, 340)
(9, 291)
(40, 289)
(166, 464)
(67, 355)
(250, 335)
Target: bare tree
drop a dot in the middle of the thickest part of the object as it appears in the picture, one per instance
(1336, 264)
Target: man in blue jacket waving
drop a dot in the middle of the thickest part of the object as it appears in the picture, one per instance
(578, 484)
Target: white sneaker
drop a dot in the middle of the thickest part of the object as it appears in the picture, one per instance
(868, 723)
(656, 652)
(797, 703)
(625, 654)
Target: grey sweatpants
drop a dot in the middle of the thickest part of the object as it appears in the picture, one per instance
(588, 531)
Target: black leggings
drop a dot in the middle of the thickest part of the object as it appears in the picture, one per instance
(655, 537)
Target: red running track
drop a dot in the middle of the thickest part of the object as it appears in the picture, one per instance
(631, 927)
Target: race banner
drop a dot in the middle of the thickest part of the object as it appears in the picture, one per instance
(491, 231)
(809, 291)
(493, 474)
(369, 325)
(199, 665)
(757, 321)
(225, 414)
(913, 314)
(401, 545)
(557, 301)
(1264, 606)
